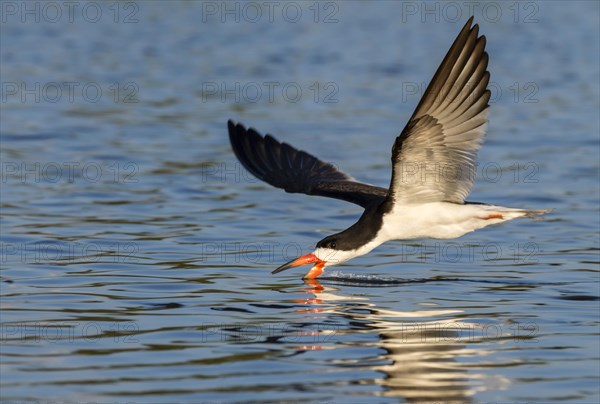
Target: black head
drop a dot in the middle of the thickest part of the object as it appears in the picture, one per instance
(329, 242)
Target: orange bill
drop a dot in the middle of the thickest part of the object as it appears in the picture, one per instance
(315, 271)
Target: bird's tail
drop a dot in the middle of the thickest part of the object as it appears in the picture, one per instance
(535, 213)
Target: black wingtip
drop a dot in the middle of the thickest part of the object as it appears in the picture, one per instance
(231, 128)
(471, 26)
(470, 23)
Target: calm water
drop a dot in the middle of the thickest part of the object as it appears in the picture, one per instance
(136, 253)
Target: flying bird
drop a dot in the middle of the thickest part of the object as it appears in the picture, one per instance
(433, 166)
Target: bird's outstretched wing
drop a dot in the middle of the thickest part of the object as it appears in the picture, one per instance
(434, 158)
(296, 171)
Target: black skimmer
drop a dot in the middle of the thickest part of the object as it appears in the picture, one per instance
(443, 135)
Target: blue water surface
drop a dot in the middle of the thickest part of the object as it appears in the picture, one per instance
(136, 252)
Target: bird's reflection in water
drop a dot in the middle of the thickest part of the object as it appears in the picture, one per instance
(425, 358)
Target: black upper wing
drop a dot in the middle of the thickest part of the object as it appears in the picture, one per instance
(296, 171)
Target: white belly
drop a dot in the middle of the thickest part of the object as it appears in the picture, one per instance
(441, 220)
